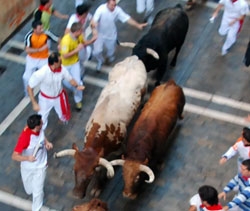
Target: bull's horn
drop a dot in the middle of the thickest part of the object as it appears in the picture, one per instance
(108, 166)
(153, 53)
(149, 172)
(118, 162)
(127, 44)
(64, 153)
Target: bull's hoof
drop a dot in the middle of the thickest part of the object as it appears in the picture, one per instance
(95, 192)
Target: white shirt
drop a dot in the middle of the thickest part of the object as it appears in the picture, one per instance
(238, 148)
(195, 201)
(50, 82)
(233, 10)
(106, 20)
(41, 155)
(74, 18)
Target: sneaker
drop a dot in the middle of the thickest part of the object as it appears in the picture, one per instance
(79, 106)
(99, 66)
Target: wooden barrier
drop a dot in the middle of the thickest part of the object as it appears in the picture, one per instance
(12, 14)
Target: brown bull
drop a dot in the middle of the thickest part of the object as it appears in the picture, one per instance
(93, 205)
(148, 139)
(107, 125)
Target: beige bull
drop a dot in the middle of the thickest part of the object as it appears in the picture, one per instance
(106, 128)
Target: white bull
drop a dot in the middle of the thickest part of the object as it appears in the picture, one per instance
(107, 125)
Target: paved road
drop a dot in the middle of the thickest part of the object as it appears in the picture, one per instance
(212, 118)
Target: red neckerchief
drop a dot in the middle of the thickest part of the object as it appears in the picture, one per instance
(234, 1)
(245, 178)
(57, 70)
(43, 8)
(81, 21)
(213, 207)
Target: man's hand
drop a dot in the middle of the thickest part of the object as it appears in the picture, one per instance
(223, 160)
(80, 87)
(36, 107)
(31, 158)
(225, 208)
(142, 25)
(80, 47)
(48, 145)
(222, 195)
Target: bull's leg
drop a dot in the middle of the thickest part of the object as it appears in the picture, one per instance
(173, 62)
(160, 72)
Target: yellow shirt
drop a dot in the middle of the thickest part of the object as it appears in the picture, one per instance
(68, 44)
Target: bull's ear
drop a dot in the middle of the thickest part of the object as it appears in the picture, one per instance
(145, 162)
(101, 153)
(75, 147)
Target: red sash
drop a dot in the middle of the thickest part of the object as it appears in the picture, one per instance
(241, 23)
(64, 102)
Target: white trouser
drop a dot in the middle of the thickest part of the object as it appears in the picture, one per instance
(84, 55)
(231, 32)
(110, 46)
(31, 66)
(75, 71)
(146, 6)
(46, 105)
(33, 182)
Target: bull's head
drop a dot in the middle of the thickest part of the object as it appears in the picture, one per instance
(147, 50)
(131, 175)
(94, 204)
(84, 168)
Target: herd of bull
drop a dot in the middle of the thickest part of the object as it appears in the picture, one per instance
(119, 101)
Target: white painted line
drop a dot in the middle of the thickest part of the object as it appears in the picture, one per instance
(92, 65)
(215, 114)
(15, 112)
(95, 81)
(12, 57)
(16, 44)
(216, 99)
(18, 202)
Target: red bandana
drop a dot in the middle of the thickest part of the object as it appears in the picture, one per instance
(42, 8)
(81, 21)
(213, 207)
(245, 178)
(57, 70)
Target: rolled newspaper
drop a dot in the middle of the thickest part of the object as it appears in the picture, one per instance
(36, 149)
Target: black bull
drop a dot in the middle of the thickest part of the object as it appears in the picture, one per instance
(168, 32)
